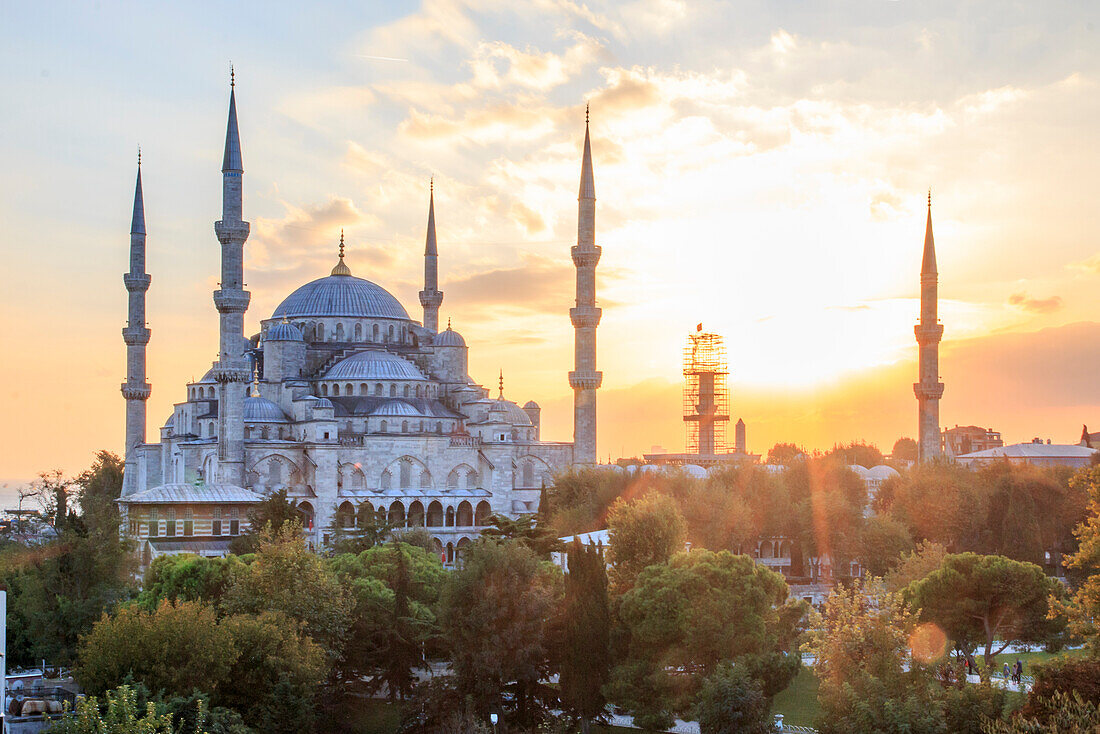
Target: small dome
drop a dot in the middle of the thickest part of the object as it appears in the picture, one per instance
(398, 408)
(374, 365)
(531, 405)
(449, 338)
(283, 332)
(262, 410)
(322, 403)
(512, 413)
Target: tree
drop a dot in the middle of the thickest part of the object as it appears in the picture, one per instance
(178, 647)
(98, 488)
(914, 566)
(785, 453)
(857, 452)
(526, 529)
(643, 533)
(885, 541)
(905, 449)
(1067, 714)
(1083, 609)
(939, 502)
(370, 529)
(731, 702)
(188, 577)
(686, 617)
(266, 517)
(869, 680)
(584, 636)
(286, 577)
(121, 717)
(977, 600)
(1068, 675)
(580, 498)
(495, 611)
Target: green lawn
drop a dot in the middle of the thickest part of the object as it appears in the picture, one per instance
(798, 703)
(1028, 658)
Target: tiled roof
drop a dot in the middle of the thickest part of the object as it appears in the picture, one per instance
(201, 493)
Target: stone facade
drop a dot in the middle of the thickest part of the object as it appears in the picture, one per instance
(354, 408)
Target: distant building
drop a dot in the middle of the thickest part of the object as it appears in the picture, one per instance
(873, 479)
(962, 440)
(1035, 453)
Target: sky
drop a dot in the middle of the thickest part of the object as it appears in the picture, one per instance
(761, 168)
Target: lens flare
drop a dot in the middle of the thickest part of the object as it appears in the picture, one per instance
(927, 643)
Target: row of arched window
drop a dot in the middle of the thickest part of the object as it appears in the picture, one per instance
(198, 392)
(347, 389)
(318, 331)
(463, 515)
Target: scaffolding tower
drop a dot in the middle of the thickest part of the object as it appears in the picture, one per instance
(706, 396)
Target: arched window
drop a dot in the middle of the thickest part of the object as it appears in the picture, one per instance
(471, 479)
(404, 334)
(528, 474)
(404, 426)
(378, 389)
(345, 516)
(274, 473)
(450, 517)
(265, 433)
(406, 391)
(324, 389)
(363, 389)
(406, 474)
(765, 549)
(386, 478)
(358, 480)
(336, 388)
(425, 480)
(320, 332)
(365, 515)
(374, 333)
(435, 515)
(481, 516)
(212, 431)
(358, 332)
(339, 332)
(383, 427)
(389, 333)
(418, 391)
(460, 549)
(439, 427)
(465, 516)
(397, 515)
(450, 552)
(393, 391)
(349, 389)
(416, 515)
(452, 479)
(305, 512)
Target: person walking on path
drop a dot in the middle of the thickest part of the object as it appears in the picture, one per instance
(1019, 670)
(1006, 670)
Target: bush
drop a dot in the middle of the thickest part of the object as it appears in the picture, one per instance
(731, 702)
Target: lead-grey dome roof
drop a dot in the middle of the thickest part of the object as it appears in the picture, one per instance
(341, 295)
(398, 408)
(262, 410)
(449, 338)
(374, 365)
(283, 332)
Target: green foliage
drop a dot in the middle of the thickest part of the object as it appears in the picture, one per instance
(914, 566)
(1067, 714)
(495, 611)
(643, 533)
(287, 577)
(885, 541)
(264, 519)
(785, 453)
(905, 449)
(857, 452)
(188, 577)
(525, 529)
(121, 717)
(978, 599)
(1083, 608)
(584, 634)
(731, 702)
(1068, 675)
(580, 498)
(684, 618)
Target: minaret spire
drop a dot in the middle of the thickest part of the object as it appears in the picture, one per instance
(585, 379)
(136, 335)
(231, 371)
(929, 333)
(431, 297)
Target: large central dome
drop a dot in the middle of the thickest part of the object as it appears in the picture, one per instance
(341, 295)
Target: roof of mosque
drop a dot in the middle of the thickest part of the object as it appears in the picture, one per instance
(262, 410)
(341, 295)
(374, 364)
(283, 332)
(396, 407)
(449, 338)
(211, 493)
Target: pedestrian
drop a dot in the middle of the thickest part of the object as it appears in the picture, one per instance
(1019, 670)
(1006, 670)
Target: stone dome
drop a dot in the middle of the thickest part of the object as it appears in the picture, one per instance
(283, 332)
(397, 408)
(374, 365)
(449, 338)
(514, 414)
(531, 405)
(322, 403)
(341, 295)
(262, 410)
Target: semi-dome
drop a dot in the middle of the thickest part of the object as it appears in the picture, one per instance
(262, 410)
(512, 412)
(531, 405)
(373, 365)
(283, 332)
(449, 338)
(322, 403)
(341, 295)
(398, 408)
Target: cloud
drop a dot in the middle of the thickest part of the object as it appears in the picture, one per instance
(1090, 265)
(540, 284)
(1035, 305)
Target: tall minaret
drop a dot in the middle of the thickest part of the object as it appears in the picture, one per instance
(231, 371)
(584, 379)
(929, 333)
(136, 390)
(431, 296)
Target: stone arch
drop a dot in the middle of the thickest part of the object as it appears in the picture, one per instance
(364, 389)
(277, 470)
(425, 479)
(364, 515)
(320, 332)
(539, 469)
(378, 389)
(465, 516)
(374, 333)
(437, 545)
(349, 389)
(405, 391)
(386, 480)
(765, 549)
(306, 513)
(404, 426)
(460, 549)
(358, 332)
(324, 389)
(393, 390)
(339, 332)
(396, 516)
(482, 513)
(416, 515)
(336, 389)
(450, 552)
(209, 467)
(471, 479)
(403, 468)
(345, 515)
(435, 514)
(458, 474)
(450, 520)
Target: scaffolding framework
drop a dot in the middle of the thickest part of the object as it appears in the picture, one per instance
(706, 395)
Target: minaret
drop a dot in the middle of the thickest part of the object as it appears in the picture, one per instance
(136, 390)
(431, 296)
(231, 371)
(929, 333)
(584, 379)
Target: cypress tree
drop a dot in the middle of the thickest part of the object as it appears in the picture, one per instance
(586, 626)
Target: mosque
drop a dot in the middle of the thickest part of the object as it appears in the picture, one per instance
(342, 400)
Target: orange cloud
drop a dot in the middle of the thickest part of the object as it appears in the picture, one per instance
(1035, 305)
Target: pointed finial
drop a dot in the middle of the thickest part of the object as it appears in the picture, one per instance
(448, 323)
(341, 243)
(256, 381)
(929, 197)
(341, 267)
(431, 185)
(139, 156)
(500, 384)
(232, 76)
(585, 113)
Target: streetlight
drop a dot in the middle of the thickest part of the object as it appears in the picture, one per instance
(493, 721)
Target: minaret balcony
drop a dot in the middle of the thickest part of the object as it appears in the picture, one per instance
(232, 370)
(136, 281)
(135, 335)
(585, 317)
(231, 232)
(139, 391)
(232, 300)
(928, 334)
(431, 298)
(585, 380)
(928, 390)
(586, 257)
